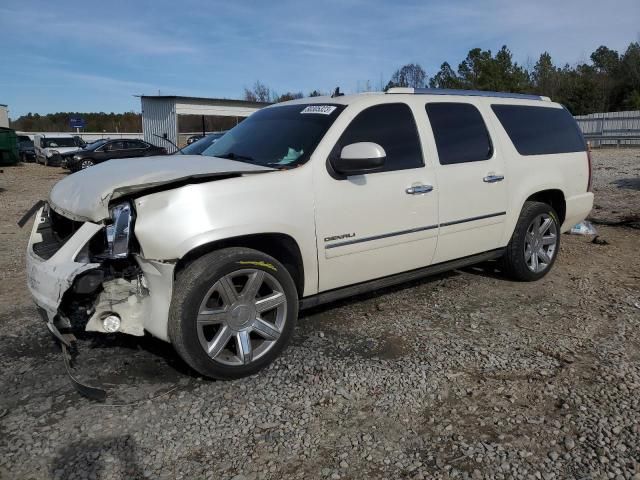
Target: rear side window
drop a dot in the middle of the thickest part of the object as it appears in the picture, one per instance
(136, 144)
(460, 133)
(540, 130)
(391, 126)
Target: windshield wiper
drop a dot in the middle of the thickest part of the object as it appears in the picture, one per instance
(237, 156)
(280, 166)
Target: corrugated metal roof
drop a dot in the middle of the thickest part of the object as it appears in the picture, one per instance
(222, 101)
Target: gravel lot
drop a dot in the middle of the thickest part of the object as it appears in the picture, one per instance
(464, 375)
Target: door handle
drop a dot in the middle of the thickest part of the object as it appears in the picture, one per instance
(419, 189)
(492, 178)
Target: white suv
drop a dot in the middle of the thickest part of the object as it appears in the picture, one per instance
(303, 203)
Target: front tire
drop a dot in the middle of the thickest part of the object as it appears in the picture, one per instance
(535, 243)
(232, 313)
(86, 163)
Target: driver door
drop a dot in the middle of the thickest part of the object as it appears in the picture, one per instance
(377, 224)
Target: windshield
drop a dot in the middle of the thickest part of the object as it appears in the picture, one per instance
(277, 136)
(199, 146)
(59, 142)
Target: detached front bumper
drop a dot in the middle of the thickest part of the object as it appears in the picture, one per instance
(49, 278)
(57, 278)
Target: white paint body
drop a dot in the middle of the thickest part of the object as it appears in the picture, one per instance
(311, 207)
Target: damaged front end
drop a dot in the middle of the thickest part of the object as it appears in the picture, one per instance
(114, 296)
(87, 276)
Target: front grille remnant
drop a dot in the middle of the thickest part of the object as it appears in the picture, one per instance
(55, 230)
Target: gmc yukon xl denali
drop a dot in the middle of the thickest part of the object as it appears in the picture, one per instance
(306, 202)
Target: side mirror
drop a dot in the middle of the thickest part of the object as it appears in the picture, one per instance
(359, 158)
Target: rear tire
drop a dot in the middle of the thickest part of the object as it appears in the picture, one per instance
(535, 243)
(232, 313)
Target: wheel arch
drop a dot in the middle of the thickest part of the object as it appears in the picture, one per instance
(280, 246)
(553, 197)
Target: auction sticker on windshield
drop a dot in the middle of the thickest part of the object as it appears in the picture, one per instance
(321, 109)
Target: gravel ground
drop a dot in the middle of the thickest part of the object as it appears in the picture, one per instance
(463, 375)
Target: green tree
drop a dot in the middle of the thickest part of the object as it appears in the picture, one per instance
(545, 77)
(629, 76)
(482, 71)
(288, 96)
(445, 78)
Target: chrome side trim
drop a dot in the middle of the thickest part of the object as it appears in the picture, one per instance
(378, 237)
(472, 219)
(412, 230)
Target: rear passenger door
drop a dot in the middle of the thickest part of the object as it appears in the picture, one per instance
(136, 148)
(377, 224)
(471, 179)
(112, 150)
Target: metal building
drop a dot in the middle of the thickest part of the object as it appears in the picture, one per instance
(4, 116)
(160, 114)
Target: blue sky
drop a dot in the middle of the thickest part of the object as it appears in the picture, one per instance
(95, 55)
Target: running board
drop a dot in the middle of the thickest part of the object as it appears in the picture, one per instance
(384, 282)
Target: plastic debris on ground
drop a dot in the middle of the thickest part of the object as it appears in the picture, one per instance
(583, 228)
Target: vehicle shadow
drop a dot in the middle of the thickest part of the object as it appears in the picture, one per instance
(491, 269)
(628, 183)
(148, 346)
(91, 458)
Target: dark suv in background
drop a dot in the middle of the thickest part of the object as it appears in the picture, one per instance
(102, 150)
(26, 150)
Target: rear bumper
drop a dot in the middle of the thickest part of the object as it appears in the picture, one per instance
(578, 208)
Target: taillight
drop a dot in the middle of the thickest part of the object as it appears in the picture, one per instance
(590, 166)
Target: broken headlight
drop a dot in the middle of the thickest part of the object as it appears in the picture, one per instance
(119, 230)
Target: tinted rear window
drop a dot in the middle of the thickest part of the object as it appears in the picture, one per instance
(460, 133)
(540, 130)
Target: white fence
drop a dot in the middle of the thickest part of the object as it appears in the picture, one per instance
(599, 127)
(87, 136)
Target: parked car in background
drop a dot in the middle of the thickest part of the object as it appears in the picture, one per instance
(26, 150)
(49, 148)
(194, 138)
(199, 146)
(103, 150)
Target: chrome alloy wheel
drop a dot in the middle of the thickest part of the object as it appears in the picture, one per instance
(241, 317)
(540, 243)
(86, 164)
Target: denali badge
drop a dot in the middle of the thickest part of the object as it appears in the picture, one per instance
(339, 237)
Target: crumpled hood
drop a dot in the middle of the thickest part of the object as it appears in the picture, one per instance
(85, 195)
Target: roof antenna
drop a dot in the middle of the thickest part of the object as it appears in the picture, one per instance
(337, 93)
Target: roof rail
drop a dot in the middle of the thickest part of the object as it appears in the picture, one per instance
(475, 93)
